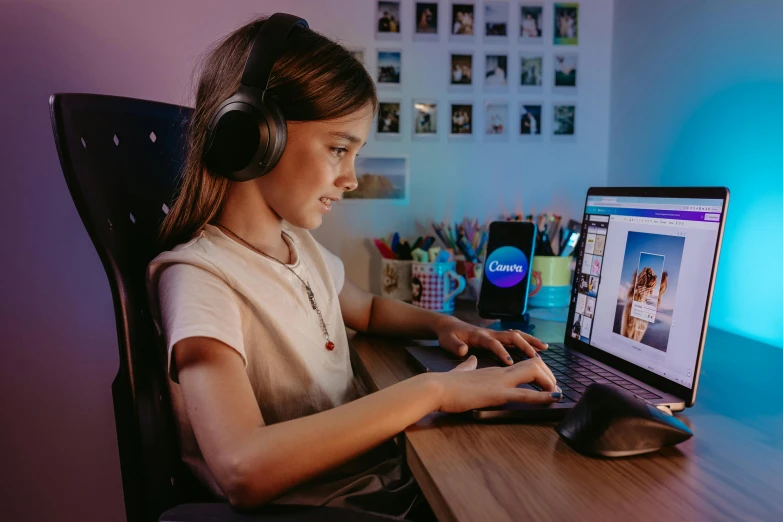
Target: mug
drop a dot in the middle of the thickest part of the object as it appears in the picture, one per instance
(551, 281)
(472, 273)
(435, 285)
(396, 279)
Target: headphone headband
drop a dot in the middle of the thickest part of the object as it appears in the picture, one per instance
(267, 47)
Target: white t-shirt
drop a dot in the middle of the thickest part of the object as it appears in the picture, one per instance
(214, 286)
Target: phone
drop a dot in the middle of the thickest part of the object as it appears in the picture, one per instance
(506, 276)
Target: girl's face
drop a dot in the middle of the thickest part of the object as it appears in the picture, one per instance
(316, 168)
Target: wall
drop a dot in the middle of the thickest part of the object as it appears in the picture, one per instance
(696, 100)
(59, 354)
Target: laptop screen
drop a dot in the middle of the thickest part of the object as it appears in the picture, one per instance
(642, 279)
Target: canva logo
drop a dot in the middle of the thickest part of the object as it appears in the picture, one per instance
(506, 266)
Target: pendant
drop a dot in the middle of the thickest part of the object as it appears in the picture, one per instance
(330, 346)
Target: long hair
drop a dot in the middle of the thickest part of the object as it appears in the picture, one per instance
(313, 79)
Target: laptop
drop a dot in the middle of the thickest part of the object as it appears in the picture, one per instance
(645, 268)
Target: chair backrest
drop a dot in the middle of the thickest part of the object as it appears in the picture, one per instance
(121, 158)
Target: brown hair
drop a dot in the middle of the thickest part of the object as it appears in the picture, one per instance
(314, 78)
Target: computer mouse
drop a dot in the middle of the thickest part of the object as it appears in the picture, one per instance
(609, 421)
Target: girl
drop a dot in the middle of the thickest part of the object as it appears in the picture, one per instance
(253, 310)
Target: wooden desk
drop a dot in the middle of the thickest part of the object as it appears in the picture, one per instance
(732, 469)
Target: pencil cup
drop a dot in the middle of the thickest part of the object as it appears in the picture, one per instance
(550, 285)
(396, 279)
(435, 285)
(472, 273)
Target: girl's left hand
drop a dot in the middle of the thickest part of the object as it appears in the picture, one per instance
(456, 336)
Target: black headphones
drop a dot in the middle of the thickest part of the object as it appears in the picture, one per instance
(247, 134)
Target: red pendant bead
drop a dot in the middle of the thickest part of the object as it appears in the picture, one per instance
(330, 346)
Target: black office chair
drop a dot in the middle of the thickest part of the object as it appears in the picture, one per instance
(121, 158)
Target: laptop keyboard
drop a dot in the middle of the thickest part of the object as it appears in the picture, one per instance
(574, 374)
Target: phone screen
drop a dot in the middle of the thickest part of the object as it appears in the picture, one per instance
(506, 277)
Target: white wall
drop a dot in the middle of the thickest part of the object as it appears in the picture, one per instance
(59, 348)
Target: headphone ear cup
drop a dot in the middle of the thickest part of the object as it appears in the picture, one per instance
(278, 135)
(236, 133)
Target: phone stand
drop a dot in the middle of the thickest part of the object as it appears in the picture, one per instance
(522, 324)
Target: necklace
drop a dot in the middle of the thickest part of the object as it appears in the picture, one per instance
(310, 294)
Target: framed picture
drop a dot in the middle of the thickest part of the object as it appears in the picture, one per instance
(381, 178)
(496, 22)
(531, 23)
(462, 17)
(566, 24)
(460, 71)
(389, 68)
(426, 21)
(530, 120)
(425, 119)
(496, 120)
(387, 20)
(564, 121)
(531, 72)
(388, 121)
(461, 120)
(565, 73)
(496, 72)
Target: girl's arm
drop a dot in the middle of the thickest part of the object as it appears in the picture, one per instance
(254, 463)
(368, 313)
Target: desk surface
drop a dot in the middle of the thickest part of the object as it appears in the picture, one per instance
(732, 469)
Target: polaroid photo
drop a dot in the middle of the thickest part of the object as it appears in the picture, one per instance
(531, 23)
(581, 301)
(495, 73)
(496, 121)
(461, 72)
(496, 22)
(381, 178)
(564, 73)
(531, 72)
(566, 24)
(462, 17)
(461, 120)
(563, 122)
(387, 126)
(389, 68)
(425, 23)
(587, 263)
(590, 244)
(576, 326)
(387, 20)
(530, 120)
(425, 119)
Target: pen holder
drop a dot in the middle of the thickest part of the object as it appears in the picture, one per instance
(472, 274)
(396, 279)
(435, 285)
(550, 285)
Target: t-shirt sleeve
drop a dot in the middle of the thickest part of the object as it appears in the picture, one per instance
(336, 267)
(197, 303)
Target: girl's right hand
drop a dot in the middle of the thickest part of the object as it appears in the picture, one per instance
(466, 388)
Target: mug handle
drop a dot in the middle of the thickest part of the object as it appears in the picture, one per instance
(537, 288)
(460, 288)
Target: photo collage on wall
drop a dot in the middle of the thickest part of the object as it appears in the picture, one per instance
(530, 50)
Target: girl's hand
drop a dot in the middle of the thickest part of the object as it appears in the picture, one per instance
(466, 388)
(456, 336)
